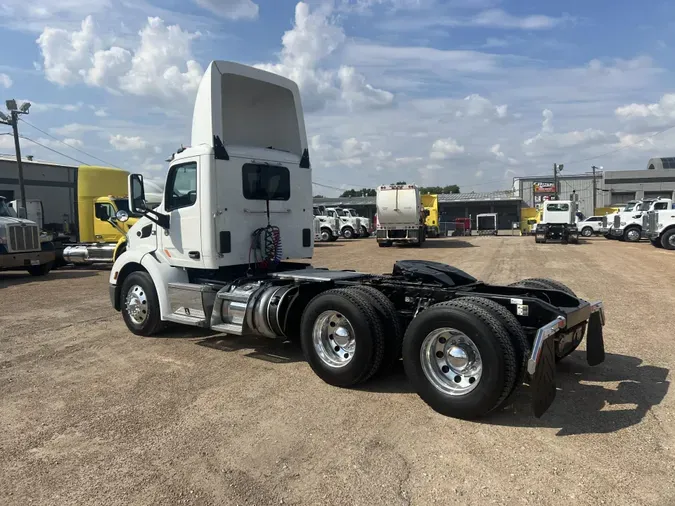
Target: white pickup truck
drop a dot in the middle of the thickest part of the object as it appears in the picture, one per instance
(590, 226)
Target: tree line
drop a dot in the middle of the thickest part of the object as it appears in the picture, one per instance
(371, 192)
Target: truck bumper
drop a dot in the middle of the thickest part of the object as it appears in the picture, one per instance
(616, 232)
(399, 235)
(113, 291)
(541, 365)
(19, 261)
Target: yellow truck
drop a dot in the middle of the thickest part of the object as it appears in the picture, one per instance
(529, 217)
(430, 204)
(96, 236)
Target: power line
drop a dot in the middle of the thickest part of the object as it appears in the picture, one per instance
(53, 150)
(66, 144)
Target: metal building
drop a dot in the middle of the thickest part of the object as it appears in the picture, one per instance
(52, 183)
(536, 189)
(620, 186)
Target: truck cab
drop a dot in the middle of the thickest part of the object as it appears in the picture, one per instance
(659, 227)
(22, 246)
(629, 225)
(558, 222)
(329, 226)
(430, 203)
(366, 227)
(350, 227)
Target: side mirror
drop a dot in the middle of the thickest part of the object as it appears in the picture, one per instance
(122, 216)
(21, 213)
(136, 193)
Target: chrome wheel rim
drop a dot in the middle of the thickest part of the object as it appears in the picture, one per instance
(671, 240)
(325, 236)
(587, 232)
(347, 233)
(334, 339)
(451, 361)
(136, 304)
(633, 235)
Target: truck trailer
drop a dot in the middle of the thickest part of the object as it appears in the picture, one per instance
(486, 224)
(216, 254)
(400, 215)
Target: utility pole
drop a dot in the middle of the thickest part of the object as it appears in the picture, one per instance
(595, 189)
(557, 167)
(13, 120)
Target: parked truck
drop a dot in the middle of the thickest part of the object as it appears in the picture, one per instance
(659, 227)
(96, 236)
(22, 246)
(430, 203)
(486, 224)
(558, 222)
(329, 226)
(366, 225)
(400, 215)
(628, 224)
(211, 256)
(350, 227)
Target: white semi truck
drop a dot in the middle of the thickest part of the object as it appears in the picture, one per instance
(558, 222)
(22, 246)
(329, 226)
(238, 205)
(350, 227)
(400, 215)
(366, 227)
(628, 225)
(659, 227)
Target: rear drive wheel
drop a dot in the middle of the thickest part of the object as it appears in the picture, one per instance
(390, 323)
(668, 239)
(348, 233)
(460, 360)
(632, 234)
(140, 305)
(587, 231)
(40, 270)
(341, 337)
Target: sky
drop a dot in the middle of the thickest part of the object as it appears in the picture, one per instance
(433, 92)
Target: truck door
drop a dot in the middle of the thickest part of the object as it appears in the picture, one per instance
(104, 231)
(181, 243)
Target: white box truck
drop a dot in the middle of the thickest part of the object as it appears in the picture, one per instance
(400, 215)
(210, 256)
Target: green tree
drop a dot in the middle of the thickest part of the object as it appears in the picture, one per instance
(363, 192)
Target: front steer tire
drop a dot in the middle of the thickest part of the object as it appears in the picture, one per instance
(138, 290)
(368, 353)
(40, 270)
(498, 359)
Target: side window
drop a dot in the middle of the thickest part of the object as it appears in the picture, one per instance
(660, 205)
(103, 211)
(181, 186)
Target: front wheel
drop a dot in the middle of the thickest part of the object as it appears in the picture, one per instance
(348, 233)
(140, 305)
(364, 232)
(326, 235)
(587, 231)
(668, 239)
(656, 242)
(631, 234)
(40, 270)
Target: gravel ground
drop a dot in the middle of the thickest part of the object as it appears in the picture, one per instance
(93, 415)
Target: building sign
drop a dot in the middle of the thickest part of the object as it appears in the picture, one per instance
(543, 187)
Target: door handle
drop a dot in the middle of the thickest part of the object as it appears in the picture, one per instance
(194, 255)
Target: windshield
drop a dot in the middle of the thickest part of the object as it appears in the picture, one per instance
(557, 207)
(5, 210)
(342, 212)
(629, 207)
(123, 205)
(643, 206)
(353, 211)
(316, 211)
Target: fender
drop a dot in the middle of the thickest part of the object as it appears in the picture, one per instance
(120, 247)
(143, 259)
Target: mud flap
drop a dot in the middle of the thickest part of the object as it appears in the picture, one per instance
(542, 383)
(595, 344)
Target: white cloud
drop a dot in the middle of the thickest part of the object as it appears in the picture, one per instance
(445, 148)
(101, 113)
(664, 108)
(124, 143)
(39, 106)
(71, 129)
(5, 81)
(313, 38)
(6, 141)
(479, 173)
(499, 154)
(231, 9)
(477, 106)
(161, 65)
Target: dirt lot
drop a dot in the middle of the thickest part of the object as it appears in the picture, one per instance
(90, 414)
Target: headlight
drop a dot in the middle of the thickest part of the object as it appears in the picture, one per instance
(623, 223)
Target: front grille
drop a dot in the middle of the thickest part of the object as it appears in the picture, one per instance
(653, 221)
(617, 221)
(23, 238)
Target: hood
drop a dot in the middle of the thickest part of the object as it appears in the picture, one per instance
(7, 220)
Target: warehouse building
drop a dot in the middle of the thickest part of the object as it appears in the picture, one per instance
(450, 206)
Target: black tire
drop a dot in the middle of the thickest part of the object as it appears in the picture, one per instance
(666, 239)
(521, 345)
(628, 238)
(386, 244)
(493, 343)
(348, 233)
(544, 283)
(656, 242)
(390, 322)
(364, 232)
(587, 231)
(40, 270)
(152, 323)
(326, 234)
(333, 238)
(363, 317)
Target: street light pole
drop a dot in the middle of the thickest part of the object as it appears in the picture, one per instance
(13, 120)
(595, 189)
